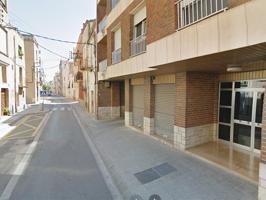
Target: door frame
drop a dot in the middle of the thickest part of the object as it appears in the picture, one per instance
(253, 123)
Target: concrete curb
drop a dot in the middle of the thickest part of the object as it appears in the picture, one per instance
(106, 174)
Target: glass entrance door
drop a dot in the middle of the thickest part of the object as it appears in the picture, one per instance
(248, 118)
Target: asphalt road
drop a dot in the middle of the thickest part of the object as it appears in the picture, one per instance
(62, 166)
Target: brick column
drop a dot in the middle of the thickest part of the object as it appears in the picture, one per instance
(104, 101)
(128, 103)
(181, 106)
(196, 109)
(115, 100)
(262, 169)
(149, 101)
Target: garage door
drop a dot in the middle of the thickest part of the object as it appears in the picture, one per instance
(138, 106)
(165, 96)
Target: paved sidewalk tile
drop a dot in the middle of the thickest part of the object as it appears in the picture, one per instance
(127, 152)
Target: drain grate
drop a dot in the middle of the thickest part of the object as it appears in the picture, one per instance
(154, 173)
(164, 169)
(147, 176)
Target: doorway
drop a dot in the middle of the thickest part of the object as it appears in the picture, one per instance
(240, 114)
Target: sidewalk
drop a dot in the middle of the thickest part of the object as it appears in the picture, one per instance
(8, 123)
(172, 174)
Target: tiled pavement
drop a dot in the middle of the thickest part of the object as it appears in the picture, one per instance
(126, 153)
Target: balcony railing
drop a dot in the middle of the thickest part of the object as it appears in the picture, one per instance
(192, 11)
(138, 45)
(116, 56)
(103, 66)
(114, 3)
(102, 25)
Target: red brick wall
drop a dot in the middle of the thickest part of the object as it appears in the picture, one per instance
(202, 99)
(115, 94)
(104, 95)
(101, 50)
(149, 98)
(101, 12)
(197, 99)
(161, 22)
(125, 21)
(128, 96)
(161, 19)
(181, 97)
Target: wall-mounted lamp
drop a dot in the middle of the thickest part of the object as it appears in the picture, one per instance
(233, 68)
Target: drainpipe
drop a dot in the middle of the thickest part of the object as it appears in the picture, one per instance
(96, 80)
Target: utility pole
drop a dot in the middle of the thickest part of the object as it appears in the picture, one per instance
(15, 72)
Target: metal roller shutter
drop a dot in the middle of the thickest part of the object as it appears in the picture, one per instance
(138, 106)
(165, 97)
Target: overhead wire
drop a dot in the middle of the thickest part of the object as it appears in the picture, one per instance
(48, 38)
(52, 52)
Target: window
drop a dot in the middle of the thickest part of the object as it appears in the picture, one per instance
(20, 52)
(116, 54)
(20, 76)
(140, 29)
(4, 75)
(138, 43)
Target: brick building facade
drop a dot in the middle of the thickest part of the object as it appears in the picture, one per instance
(185, 70)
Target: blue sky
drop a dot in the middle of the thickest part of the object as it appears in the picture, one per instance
(60, 19)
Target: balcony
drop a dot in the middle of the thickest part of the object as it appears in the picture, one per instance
(102, 29)
(114, 3)
(103, 66)
(87, 64)
(138, 45)
(116, 56)
(102, 25)
(192, 11)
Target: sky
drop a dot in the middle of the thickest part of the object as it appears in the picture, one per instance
(60, 19)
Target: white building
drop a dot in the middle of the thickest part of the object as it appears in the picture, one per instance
(12, 66)
(67, 78)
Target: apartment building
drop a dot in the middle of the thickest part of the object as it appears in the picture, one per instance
(17, 75)
(33, 69)
(84, 62)
(189, 72)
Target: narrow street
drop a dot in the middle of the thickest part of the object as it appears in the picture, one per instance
(57, 161)
(62, 165)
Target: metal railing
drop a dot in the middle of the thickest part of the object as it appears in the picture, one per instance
(114, 3)
(102, 25)
(192, 11)
(138, 45)
(116, 56)
(103, 66)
